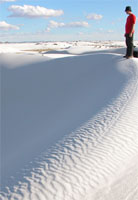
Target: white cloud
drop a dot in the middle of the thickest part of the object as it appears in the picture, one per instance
(33, 11)
(78, 24)
(54, 24)
(104, 31)
(48, 29)
(5, 26)
(94, 16)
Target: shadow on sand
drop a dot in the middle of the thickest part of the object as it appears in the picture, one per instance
(45, 101)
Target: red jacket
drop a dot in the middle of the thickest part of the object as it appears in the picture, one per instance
(131, 19)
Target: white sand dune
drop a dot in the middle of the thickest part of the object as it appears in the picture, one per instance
(69, 127)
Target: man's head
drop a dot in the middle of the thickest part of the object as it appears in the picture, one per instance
(128, 10)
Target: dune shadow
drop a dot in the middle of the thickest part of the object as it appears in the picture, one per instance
(45, 101)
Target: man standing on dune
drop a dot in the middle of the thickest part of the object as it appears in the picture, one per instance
(129, 34)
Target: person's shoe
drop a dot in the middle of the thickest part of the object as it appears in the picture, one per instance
(125, 56)
(128, 57)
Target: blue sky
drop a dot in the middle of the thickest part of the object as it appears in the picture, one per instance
(68, 20)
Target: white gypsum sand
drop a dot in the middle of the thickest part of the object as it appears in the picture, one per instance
(69, 126)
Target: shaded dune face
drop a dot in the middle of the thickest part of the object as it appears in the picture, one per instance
(63, 110)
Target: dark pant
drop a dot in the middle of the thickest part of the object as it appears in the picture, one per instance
(129, 44)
